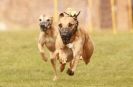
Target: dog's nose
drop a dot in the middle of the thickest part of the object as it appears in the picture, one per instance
(42, 25)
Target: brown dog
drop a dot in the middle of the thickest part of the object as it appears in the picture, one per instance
(47, 35)
(75, 40)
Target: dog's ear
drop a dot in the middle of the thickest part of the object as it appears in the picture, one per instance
(51, 18)
(61, 15)
(67, 14)
(76, 15)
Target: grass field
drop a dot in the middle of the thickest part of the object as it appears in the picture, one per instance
(110, 66)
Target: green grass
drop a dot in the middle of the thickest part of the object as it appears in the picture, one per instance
(21, 65)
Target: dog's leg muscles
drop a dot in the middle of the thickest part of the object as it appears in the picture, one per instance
(69, 71)
(42, 53)
(70, 64)
(77, 54)
(74, 64)
(53, 62)
(62, 67)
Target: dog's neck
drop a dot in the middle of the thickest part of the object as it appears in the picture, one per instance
(49, 32)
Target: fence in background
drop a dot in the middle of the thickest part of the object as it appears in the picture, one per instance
(95, 14)
(115, 11)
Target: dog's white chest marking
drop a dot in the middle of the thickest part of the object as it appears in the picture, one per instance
(70, 45)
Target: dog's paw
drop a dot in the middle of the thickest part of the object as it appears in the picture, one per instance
(70, 72)
(55, 78)
(45, 59)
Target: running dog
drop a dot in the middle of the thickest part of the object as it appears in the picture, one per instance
(47, 35)
(75, 40)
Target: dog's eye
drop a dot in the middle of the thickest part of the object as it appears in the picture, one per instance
(48, 19)
(70, 25)
(60, 25)
(40, 19)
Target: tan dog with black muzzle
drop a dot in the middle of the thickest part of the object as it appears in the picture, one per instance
(74, 38)
(47, 35)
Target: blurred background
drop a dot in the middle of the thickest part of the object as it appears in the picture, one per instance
(95, 14)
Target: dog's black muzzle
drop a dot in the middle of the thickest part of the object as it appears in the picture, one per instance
(66, 35)
(44, 26)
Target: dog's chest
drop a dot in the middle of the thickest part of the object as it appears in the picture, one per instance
(65, 55)
(49, 40)
(50, 43)
(70, 45)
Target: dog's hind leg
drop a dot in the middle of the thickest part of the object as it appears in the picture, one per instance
(88, 50)
(53, 62)
(41, 50)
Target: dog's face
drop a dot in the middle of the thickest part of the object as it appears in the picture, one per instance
(67, 27)
(45, 22)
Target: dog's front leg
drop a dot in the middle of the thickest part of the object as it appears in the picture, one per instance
(73, 65)
(77, 52)
(62, 67)
(41, 50)
(53, 62)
